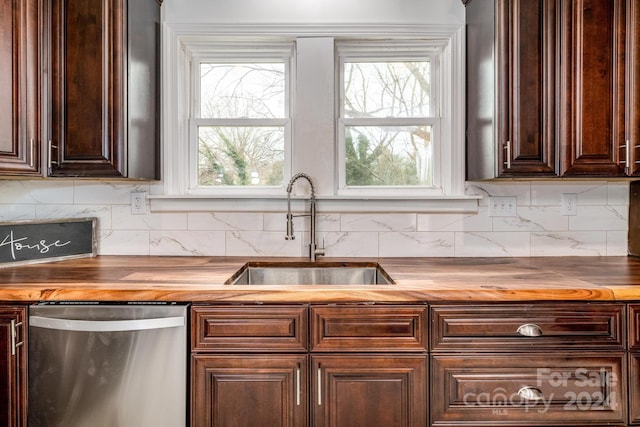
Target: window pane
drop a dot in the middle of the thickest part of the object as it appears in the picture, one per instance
(387, 89)
(240, 156)
(388, 155)
(254, 91)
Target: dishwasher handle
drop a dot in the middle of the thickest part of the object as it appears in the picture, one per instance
(105, 325)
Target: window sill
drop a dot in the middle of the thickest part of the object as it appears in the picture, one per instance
(441, 204)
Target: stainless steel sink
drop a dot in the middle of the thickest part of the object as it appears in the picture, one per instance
(310, 274)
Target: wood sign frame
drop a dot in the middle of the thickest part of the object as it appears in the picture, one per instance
(30, 242)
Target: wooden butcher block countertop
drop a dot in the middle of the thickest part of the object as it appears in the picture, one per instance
(202, 279)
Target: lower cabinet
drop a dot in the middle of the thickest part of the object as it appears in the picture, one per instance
(13, 369)
(545, 364)
(573, 364)
(365, 365)
(369, 390)
(251, 390)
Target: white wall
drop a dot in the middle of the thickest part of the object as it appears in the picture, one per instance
(315, 11)
(539, 229)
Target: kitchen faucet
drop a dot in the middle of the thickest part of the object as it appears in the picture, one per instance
(313, 249)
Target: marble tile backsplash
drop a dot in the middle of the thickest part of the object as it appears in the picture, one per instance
(539, 228)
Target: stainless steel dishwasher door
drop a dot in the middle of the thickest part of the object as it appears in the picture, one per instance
(115, 365)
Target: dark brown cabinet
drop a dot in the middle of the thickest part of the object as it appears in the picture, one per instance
(526, 76)
(19, 87)
(512, 74)
(599, 123)
(249, 390)
(370, 390)
(103, 115)
(528, 365)
(361, 365)
(553, 88)
(13, 370)
(249, 366)
(79, 88)
(369, 365)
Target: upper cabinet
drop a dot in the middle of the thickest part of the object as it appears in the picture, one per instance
(552, 89)
(19, 88)
(597, 87)
(104, 95)
(97, 114)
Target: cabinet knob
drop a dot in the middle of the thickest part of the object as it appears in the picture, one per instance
(529, 330)
(530, 393)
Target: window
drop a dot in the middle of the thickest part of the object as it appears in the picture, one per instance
(240, 125)
(388, 116)
(373, 115)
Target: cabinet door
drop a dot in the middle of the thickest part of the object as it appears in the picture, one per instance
(633, 86)
(19, 89)
(592, 124)
(249, 391)
(104, 93)
(369, 390)
(527, 67)
(13, 372)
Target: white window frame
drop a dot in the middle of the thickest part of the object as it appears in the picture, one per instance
(239, 51)
(399, 50)
(181, 41)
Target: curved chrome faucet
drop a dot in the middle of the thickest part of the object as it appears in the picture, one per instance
(314, 251)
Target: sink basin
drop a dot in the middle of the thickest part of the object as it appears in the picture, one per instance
(258, 273)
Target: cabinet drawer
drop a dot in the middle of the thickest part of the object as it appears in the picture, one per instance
(249, 328)
(527, 327)
(369, 328)
(584, 389)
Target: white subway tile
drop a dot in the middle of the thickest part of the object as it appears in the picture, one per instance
(533, 218)
(36, 191)
(618, 193)
(262, 243)
(124, 220)
(99, 192)
(572, 243)
(17, 212)
(456, 222)
(496, 244)
(225, 220)
(120, 242)
(101, 212)
(550, 193)
(617, 243)
(378, 222)
(187, 243)
(417, 244)
(349, 244)
(600, 218)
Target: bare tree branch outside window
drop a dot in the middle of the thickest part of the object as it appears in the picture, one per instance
(383, 154)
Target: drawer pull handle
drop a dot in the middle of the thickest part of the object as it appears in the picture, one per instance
(530, 393)
(529, 330)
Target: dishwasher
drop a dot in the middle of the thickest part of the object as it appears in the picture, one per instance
(107, 365)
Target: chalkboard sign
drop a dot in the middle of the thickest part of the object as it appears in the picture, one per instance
(28, 242)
